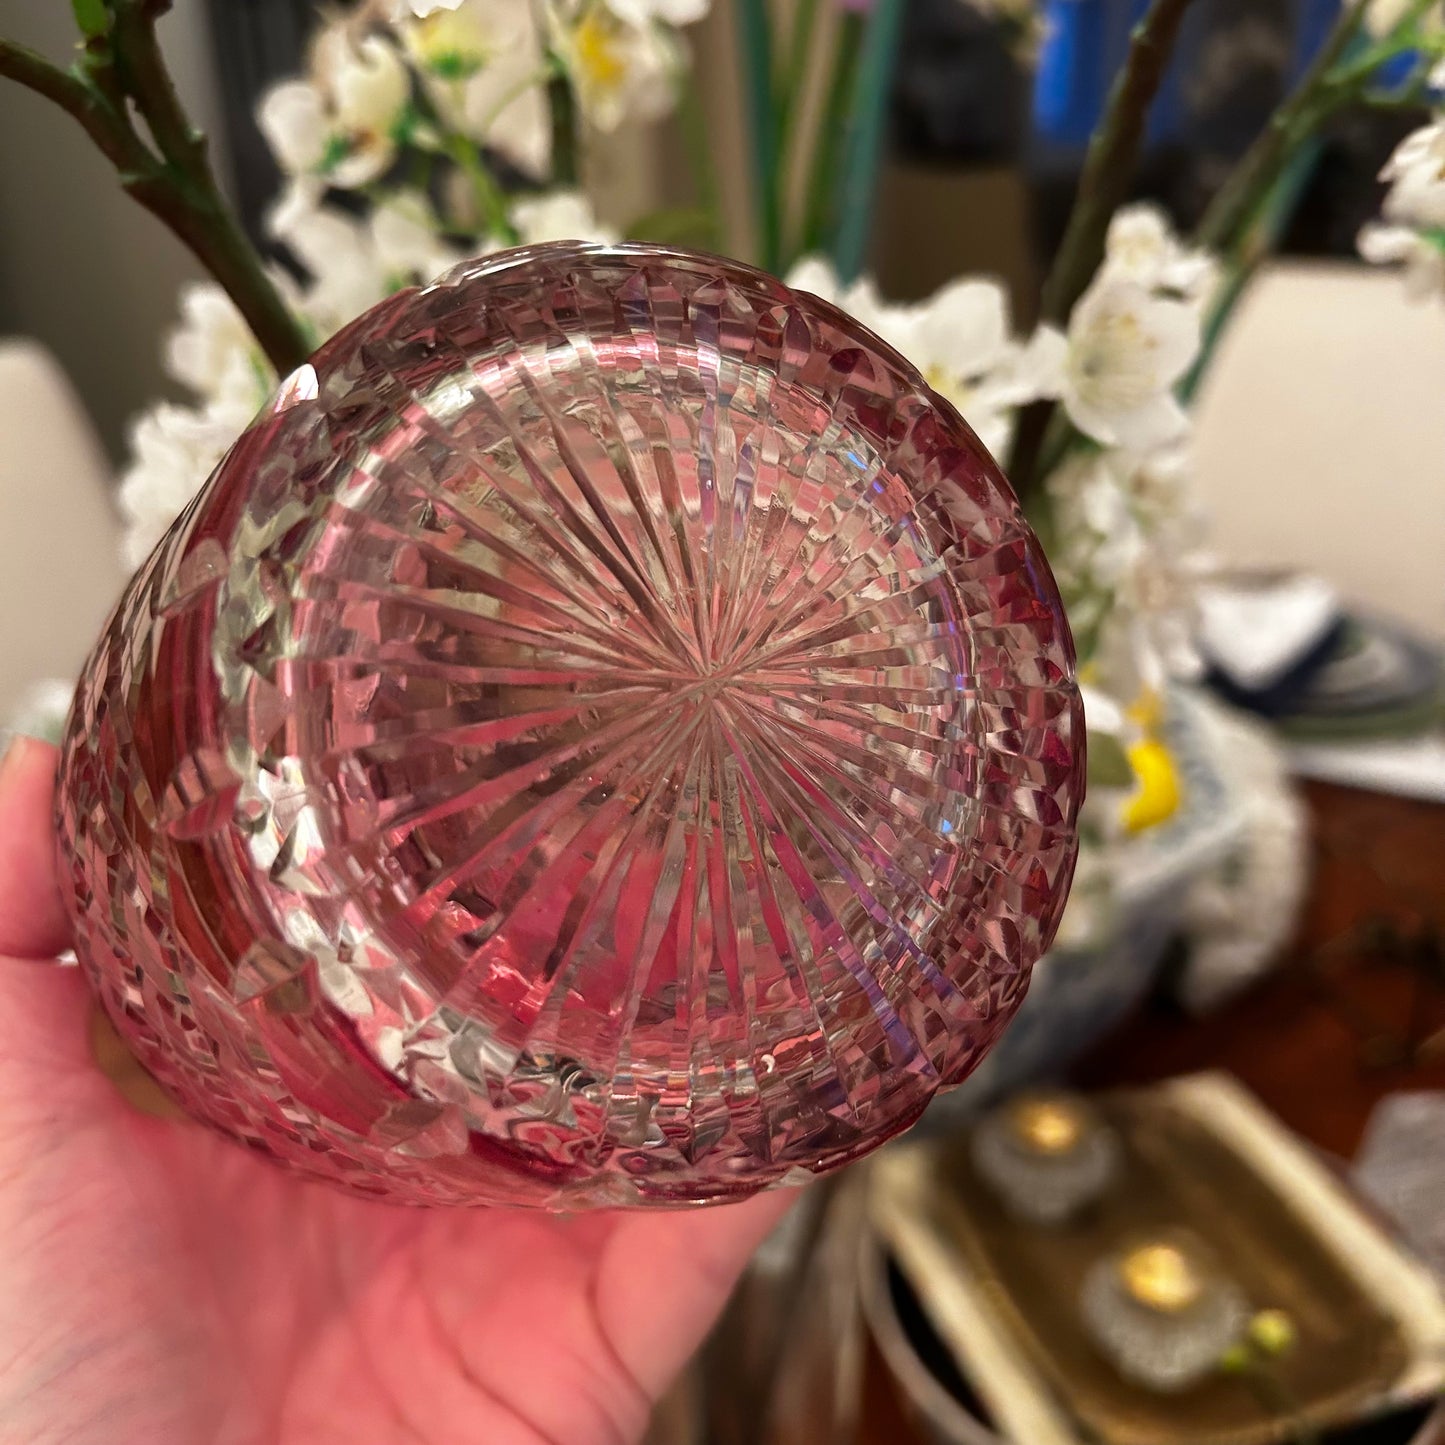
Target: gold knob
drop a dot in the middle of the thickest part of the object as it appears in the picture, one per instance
(1047, 1124)
(1161, 1277)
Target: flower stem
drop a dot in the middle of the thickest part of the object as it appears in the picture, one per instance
(755, 38)
(1240, 198)
(491, 201)
(124, 68)
(565, 166)
(1254, 204)
(863, 153)
(1112, 158)
(693, 125)
(789, 102)
(819, 214)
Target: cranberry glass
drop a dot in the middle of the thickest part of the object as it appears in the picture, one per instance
(605, 735)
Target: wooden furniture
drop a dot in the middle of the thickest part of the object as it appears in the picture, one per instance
(1357, 1010)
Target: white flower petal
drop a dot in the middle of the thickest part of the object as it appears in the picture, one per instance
(370, 86)
(498, 107)
(292, 118)
(173, 449)
(404, 237)
(666, 12)
(559, 216)
(402, 10)
(1141, 247)
(1042, 365)
(1385, 245)
(815, 275)
(963, 328)
(211, 333)
(1416, 173)
(619, 71)
(1127, 349)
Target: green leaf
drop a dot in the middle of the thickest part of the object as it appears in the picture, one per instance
(93, 17)
(1108, 762)
(337, 148)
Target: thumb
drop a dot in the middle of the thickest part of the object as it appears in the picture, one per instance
(33, 922)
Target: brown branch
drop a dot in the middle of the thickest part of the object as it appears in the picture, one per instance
(112, 136)
(177, 186)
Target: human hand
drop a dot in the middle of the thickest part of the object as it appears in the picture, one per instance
(161, 1286)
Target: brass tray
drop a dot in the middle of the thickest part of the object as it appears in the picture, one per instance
(1177, 1167)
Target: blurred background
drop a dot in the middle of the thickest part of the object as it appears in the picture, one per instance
(1256, 1044)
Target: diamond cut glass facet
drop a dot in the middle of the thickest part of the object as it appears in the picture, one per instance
(605, 735)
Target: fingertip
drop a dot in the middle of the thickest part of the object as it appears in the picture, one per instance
(33, 921)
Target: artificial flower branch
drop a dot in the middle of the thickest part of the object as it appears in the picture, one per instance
(1247, 189)
(1112, 157)
(1240, 224)
(863, 149)
(120, 67)
(755, 43)
(1249, 210)
(1044, 433)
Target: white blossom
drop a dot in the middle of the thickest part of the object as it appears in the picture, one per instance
(962, 342)
(483, 66)
(419, 9)
(816, 276)
(1412, 231)
(340, 122)
(1127, 348)
(1421, 257)
(1142, 247)
(353, 264)
(1416, 174)
(212, 351)
(665, 12)
(960, 338)
(1128, 558)
(620, 70)
(559, 216)
(173, 450)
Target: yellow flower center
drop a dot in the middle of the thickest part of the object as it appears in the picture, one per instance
(950, 386)
(599, 55)
(449, 45)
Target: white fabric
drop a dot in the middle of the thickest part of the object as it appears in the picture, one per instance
(1254, 635)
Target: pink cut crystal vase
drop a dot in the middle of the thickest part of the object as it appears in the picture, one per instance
(605, 735)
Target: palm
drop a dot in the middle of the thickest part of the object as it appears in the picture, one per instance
(159, 1284)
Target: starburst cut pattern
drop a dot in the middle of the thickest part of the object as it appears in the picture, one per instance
(605, 735)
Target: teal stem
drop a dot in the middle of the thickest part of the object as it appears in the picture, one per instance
(755, 39)
(1239, 272)
(863, 149)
